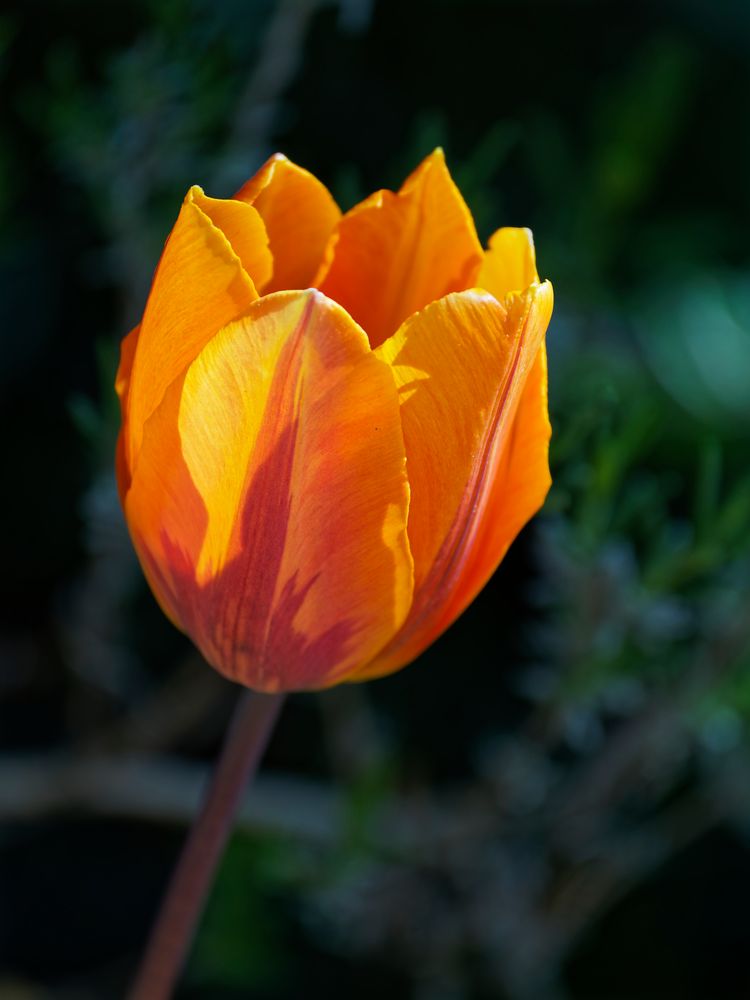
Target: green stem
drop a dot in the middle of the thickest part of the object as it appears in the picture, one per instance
(170, 939)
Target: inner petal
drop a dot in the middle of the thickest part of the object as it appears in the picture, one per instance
(393, 254)
(299, 214)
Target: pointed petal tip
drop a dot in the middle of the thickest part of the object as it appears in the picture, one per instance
(544, 289)
(312, 296)
(509, 263)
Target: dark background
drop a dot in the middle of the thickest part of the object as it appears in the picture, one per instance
(554, 802)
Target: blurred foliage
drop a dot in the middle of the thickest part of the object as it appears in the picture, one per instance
(695, 335)
(554, 804)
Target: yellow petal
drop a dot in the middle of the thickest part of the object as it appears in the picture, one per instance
(299, 215)
(462, 366)
(509, 264)
(199, 286)
(395, 253)
(269, 500)
(245, 231)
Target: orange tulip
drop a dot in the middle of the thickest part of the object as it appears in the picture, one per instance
(319, 480)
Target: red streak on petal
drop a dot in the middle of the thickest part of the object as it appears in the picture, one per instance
(242, 618)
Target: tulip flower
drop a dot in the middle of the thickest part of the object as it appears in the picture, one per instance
(333, 426)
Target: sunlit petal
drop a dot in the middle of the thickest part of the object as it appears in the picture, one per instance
(509, 264)
(461, 367)
(270, 497)
(199, 286)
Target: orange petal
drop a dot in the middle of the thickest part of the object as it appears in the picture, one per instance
(299, 214)
(509, 264)
(122, 387)
(523, 480)
(165, 513)
(461, 367)
(199, 286)
(269, 500)
(518, 488)
(395, 253)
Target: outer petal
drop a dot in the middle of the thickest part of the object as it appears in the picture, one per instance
(461, 366)
(270, 498)
(299, 214)
(518, 489)
(199, 286)
(523, 478)
(395, 253)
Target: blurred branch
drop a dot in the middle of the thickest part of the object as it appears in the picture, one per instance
(461, 854)
(160, 790)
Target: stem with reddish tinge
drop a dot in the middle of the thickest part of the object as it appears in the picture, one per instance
(181, 908)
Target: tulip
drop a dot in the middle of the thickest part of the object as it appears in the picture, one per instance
(333, 426)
